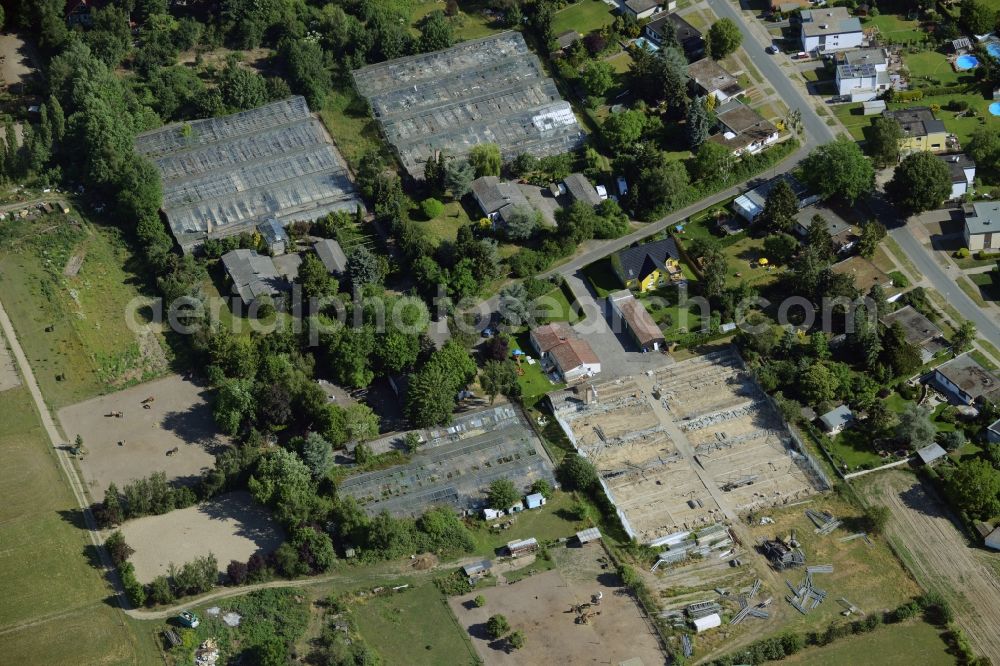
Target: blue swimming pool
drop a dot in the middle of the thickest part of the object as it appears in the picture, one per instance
(644, 43)
(966, 62)
(993, 48)
(995, 108)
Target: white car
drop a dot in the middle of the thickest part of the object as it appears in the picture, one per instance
(602, 192)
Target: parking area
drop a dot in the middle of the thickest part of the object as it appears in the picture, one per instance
(543, 607)
(125, 440)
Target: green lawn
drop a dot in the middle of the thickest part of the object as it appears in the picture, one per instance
(602, 277)
(414, 627)
(664, 307)
(75, 329)
(896, 28)
(534, 383)
(556, 306)
(987, 283)
(583, 16)
(445, 226)
(621, 62)
(933, 68)
(853, 447)
(346, 118)
(470, 23)
(48, 577)
(961, 127)
(915, 642)
(545, 524)
(851, 116)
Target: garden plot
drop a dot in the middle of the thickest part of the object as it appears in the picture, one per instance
(175, 435)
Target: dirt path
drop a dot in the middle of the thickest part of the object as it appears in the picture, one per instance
(940, 558)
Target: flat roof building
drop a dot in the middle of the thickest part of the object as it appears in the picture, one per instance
(489, 90)
(982, 225)
(743, 129)
(223, 176)
(751, 203)
(830, 29)
(710, 79)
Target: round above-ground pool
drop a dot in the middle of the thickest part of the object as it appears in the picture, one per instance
(964, 62)
(995, 108)
(993, 48)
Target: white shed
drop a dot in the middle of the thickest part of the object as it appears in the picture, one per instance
(992, 539)
(534, 500)
(708, 622)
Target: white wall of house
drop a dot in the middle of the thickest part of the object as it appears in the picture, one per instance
(580, 371)
(951, 388)
(835, 42)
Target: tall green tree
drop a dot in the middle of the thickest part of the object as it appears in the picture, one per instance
(699, 123)
(840, 169)
(975, 487)
(435, 32)
(723, 38)
(984, 147)
(307, 72)
(459, 175)
(485, 159)
(598, 77)
(622, 130)
(921, 182)
(503, 494)
(915, 427)
(780, 208)
(499, 377)
(964, 337)
(976, 17)
(110, 38)
(872, 233)
(883, 140)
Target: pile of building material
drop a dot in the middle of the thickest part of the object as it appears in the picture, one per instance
(825, 522)
(858, 535)
(701, 543)
(745, 607)
(207, 654)
(782, 554)
(686, 646)
(702, 609)
(806, 596)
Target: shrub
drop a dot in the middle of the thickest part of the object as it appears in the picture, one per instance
(117, 548)
(237, 572)
(936, 608)
(480, 601)
(431, 208)
(962, 253)
(160, 591)
(958, 105)
(134, 590)
(497, 626)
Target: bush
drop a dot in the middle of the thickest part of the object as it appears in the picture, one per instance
(160, 591)
(958, 105)
(134, 590)
(237, 572)
(480, 601)
(497, 626)
(962, 253)
(117, 548)
(936, 608)
(431, 208)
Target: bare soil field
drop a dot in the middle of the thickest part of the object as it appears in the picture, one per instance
(15, 59)
(232, 527)
(179, 418)
(938, 554)
(540, 607)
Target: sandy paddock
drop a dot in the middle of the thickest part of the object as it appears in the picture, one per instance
(232, 527)
(180, 417)
(540, 607)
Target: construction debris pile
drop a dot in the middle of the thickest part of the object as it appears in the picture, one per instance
(806, 596)
(701, 543)
(783, 553)
(207, 654)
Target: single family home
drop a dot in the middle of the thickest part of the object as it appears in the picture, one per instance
(689, 38)
(648, 266)
(964, 380)
(921, 130)
(708, 78)
(830, 29)
(982, 225)
(751, 203)
(962, 170)
(743, 129)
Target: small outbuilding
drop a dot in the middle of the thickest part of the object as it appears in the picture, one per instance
(992, 539)
(932, 453)
(332, 256)
(588, 535)
(534, 500)
(837, 419)
(708, 622)
(580, 188)
(480, 568)
(274, 236)
(522, 547)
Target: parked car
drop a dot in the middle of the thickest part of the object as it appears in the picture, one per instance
(188, 619)
(772, 49)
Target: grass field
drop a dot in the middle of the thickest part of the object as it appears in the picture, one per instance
(54, 609)
(556, 306)
(470, 23)
(896, 28)
(602, 277)
(583, 16)
(545, 524)
(933, 68)
(74, 329)
(346, 118)
(413, 627)
(445, 226)
(987, 284)
(896, 645)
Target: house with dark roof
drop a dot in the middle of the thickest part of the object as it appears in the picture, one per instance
(579, 188)
(918, 331)
(498, 199)
(253, 275)
(708, 78)
(628, 311)
(965, 381)
(982, 225)
(566, 39)
(962, 170)
(921, 130)
(743, 129)
(648, 266)
(689, 38)
(843, 236)
(332, 256)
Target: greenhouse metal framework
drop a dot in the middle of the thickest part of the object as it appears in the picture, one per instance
(490, 90)
(222, 176)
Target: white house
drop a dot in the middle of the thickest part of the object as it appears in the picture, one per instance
(534, 500)
(837, 419)
(830, 29)
(743, 129)
(862, 83)
(982, 226)
(572, 358)
(965, 380)
(963, 173)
